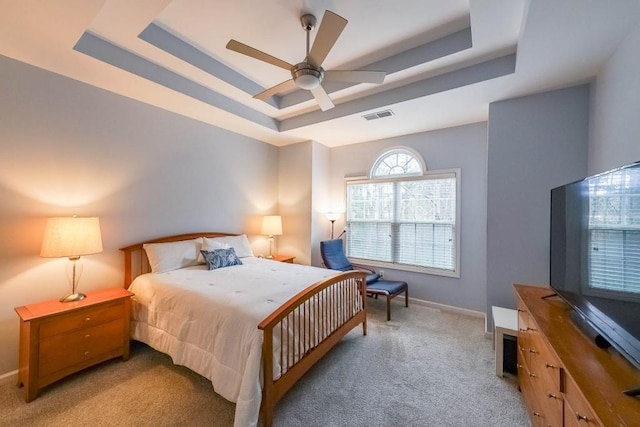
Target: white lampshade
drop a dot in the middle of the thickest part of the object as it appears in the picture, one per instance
(272, 225)
(71, 237)
(332, 216)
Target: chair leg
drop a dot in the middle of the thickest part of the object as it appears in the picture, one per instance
(406, 297)
(388, 307)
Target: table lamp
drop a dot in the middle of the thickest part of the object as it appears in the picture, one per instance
(271, 226)
(72, 237)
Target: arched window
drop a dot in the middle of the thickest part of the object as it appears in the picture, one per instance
(399, 161)
(404, 217)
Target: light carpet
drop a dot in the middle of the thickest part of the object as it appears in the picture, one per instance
(425, 367)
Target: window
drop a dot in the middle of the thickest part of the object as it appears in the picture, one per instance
(403, 217)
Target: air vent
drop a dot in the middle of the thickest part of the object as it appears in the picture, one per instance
(378, 115)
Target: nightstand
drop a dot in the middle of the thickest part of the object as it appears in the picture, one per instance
(58, 339)
(284, 258)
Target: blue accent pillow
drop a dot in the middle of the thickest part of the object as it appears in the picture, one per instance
(218, 258)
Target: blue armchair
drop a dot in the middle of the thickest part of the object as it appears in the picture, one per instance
(333, 257)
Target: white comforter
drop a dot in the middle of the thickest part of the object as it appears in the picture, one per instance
(207, 321)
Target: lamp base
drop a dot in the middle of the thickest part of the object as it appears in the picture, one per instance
(73, 297)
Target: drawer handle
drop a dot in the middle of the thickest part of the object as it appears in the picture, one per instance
(533, 375)
(537, 414)
(87, 319)
(549, 365)
(86, 353)
(86, 337)
(534, 351)
(581, 417)
(552, 396)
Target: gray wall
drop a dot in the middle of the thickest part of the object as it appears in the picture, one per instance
(463, 147)
(615, 124)
(536, 143)
(66, 147)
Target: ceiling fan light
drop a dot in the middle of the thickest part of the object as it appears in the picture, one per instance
(306, 76)
(307, 81)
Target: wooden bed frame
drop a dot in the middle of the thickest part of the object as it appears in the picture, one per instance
(330, 299)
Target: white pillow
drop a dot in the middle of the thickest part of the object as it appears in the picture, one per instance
(209, 245)
(172, 255)
(240, 244)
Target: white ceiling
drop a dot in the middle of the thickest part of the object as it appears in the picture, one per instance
(518, 47)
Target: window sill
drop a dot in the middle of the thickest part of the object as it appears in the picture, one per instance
(404, 267)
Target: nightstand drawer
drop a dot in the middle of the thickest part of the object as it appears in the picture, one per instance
(87, 318)
(66, 350)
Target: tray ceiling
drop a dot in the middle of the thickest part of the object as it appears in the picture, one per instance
(445, 61)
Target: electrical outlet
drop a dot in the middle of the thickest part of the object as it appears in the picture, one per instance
(381, 273)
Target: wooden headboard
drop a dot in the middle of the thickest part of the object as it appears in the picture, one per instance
(135, 258)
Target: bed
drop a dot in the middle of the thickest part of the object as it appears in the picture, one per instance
(252, 329)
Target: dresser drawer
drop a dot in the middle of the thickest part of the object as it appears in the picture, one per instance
(85, 318)
(576, 409)
(63, 351)
(543, 362)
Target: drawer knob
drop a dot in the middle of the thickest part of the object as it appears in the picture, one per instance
(553, 396)
(549, 365)
(533, 375)
(581, 417)
(537, 414)
(532, 350)
(86, 337)
(86, 353)
(87, 319)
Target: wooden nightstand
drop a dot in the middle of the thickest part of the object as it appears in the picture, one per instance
(58, 339)
(284, 258)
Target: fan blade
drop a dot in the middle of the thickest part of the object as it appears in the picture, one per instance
(330, 29)
(322, 98)
(257, 54)
(282, 87)
(355, 76)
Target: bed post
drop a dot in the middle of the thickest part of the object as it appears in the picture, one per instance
(362, 284)
(268, 401)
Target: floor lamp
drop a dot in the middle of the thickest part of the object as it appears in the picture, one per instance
(332, 216)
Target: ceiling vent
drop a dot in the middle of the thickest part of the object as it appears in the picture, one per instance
(378, 115)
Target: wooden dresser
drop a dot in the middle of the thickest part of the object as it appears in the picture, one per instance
(58, 339)
(565, 379)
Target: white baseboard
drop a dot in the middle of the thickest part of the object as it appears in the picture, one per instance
(9, 377)
(457, 310)
(448, 308)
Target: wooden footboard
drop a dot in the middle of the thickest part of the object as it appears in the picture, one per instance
(305, 328)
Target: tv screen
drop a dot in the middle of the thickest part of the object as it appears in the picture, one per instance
(595, 254)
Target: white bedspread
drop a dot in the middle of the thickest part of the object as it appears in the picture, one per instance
(207, 321)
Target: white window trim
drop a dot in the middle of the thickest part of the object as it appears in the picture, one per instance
(400, 149)
(443, 173)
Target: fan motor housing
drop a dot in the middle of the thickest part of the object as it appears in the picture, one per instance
(307, 76)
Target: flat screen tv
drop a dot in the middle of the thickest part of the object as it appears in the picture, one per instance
(595, 255)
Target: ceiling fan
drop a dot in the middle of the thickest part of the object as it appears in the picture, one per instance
(309, 73)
